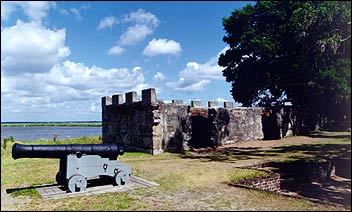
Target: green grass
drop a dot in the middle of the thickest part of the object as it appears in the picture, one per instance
(244, 174)
(31, 192)
(186, 181)
(79, 140)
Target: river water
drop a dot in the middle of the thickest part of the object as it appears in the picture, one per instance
(31, 133)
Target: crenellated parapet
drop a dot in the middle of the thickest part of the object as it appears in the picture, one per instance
(117, 99)
(130, 122)
(148, 97)
(130, 100)
(116, 102)
(150, 125)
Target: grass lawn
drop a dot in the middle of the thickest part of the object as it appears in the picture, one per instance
(190, 181)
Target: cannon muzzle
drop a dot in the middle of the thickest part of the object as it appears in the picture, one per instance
(110, 150)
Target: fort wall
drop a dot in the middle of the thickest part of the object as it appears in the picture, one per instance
(153, 126)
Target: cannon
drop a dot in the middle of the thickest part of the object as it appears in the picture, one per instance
(80, 162)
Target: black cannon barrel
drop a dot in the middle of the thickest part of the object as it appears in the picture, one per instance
(109, 150)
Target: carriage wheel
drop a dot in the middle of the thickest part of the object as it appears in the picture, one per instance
(121, 178)
(77, 183)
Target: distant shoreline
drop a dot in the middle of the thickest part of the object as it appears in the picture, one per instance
(56, 124)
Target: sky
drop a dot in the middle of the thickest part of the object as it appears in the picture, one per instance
(58, 59)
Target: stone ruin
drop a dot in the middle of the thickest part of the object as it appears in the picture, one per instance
(154, 127)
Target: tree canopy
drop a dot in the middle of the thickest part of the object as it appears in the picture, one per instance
(294, 50)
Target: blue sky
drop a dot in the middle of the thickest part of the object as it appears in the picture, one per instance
(59, 58)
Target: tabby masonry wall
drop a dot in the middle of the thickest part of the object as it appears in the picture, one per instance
(152, 126)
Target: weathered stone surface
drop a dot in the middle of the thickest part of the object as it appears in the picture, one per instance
(159, 127)
(228, 104)
(231, 125)
(176, 129)
(106, 100)
(117, 99)
(149, 96)
(131, 97)
(196, 104)
(212, 104)
(177, 102)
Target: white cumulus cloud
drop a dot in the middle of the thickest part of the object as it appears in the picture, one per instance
(162, 46)
(35, 10)
(196, 76)
(188, 86)
(115, 50)
(35, 78)
(143, 24)
(135, 34)
(31, 47)
(107, 22)
(7, 7)
(208, 70)
(95, 107)
(70, 81)
(75, 11)
(142, 17)
(221, 100)
(64, 11)
(158, 77)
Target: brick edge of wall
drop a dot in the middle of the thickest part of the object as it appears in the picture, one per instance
(242, 184)
(270, 182)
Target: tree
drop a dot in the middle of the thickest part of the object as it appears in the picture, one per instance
(298, 51)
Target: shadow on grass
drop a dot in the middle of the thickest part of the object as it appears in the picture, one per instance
(26, 191)
(13, 190)
(330, 136)
(230, 154)
(294, 159)
(90, 183)
(334, 191)
(233, 154)
(321, 150)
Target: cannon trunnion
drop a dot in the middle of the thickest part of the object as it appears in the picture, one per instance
(80, 162)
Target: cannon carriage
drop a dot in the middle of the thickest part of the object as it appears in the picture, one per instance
(80, 162)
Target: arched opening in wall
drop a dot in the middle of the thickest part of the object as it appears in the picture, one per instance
(200, 129)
